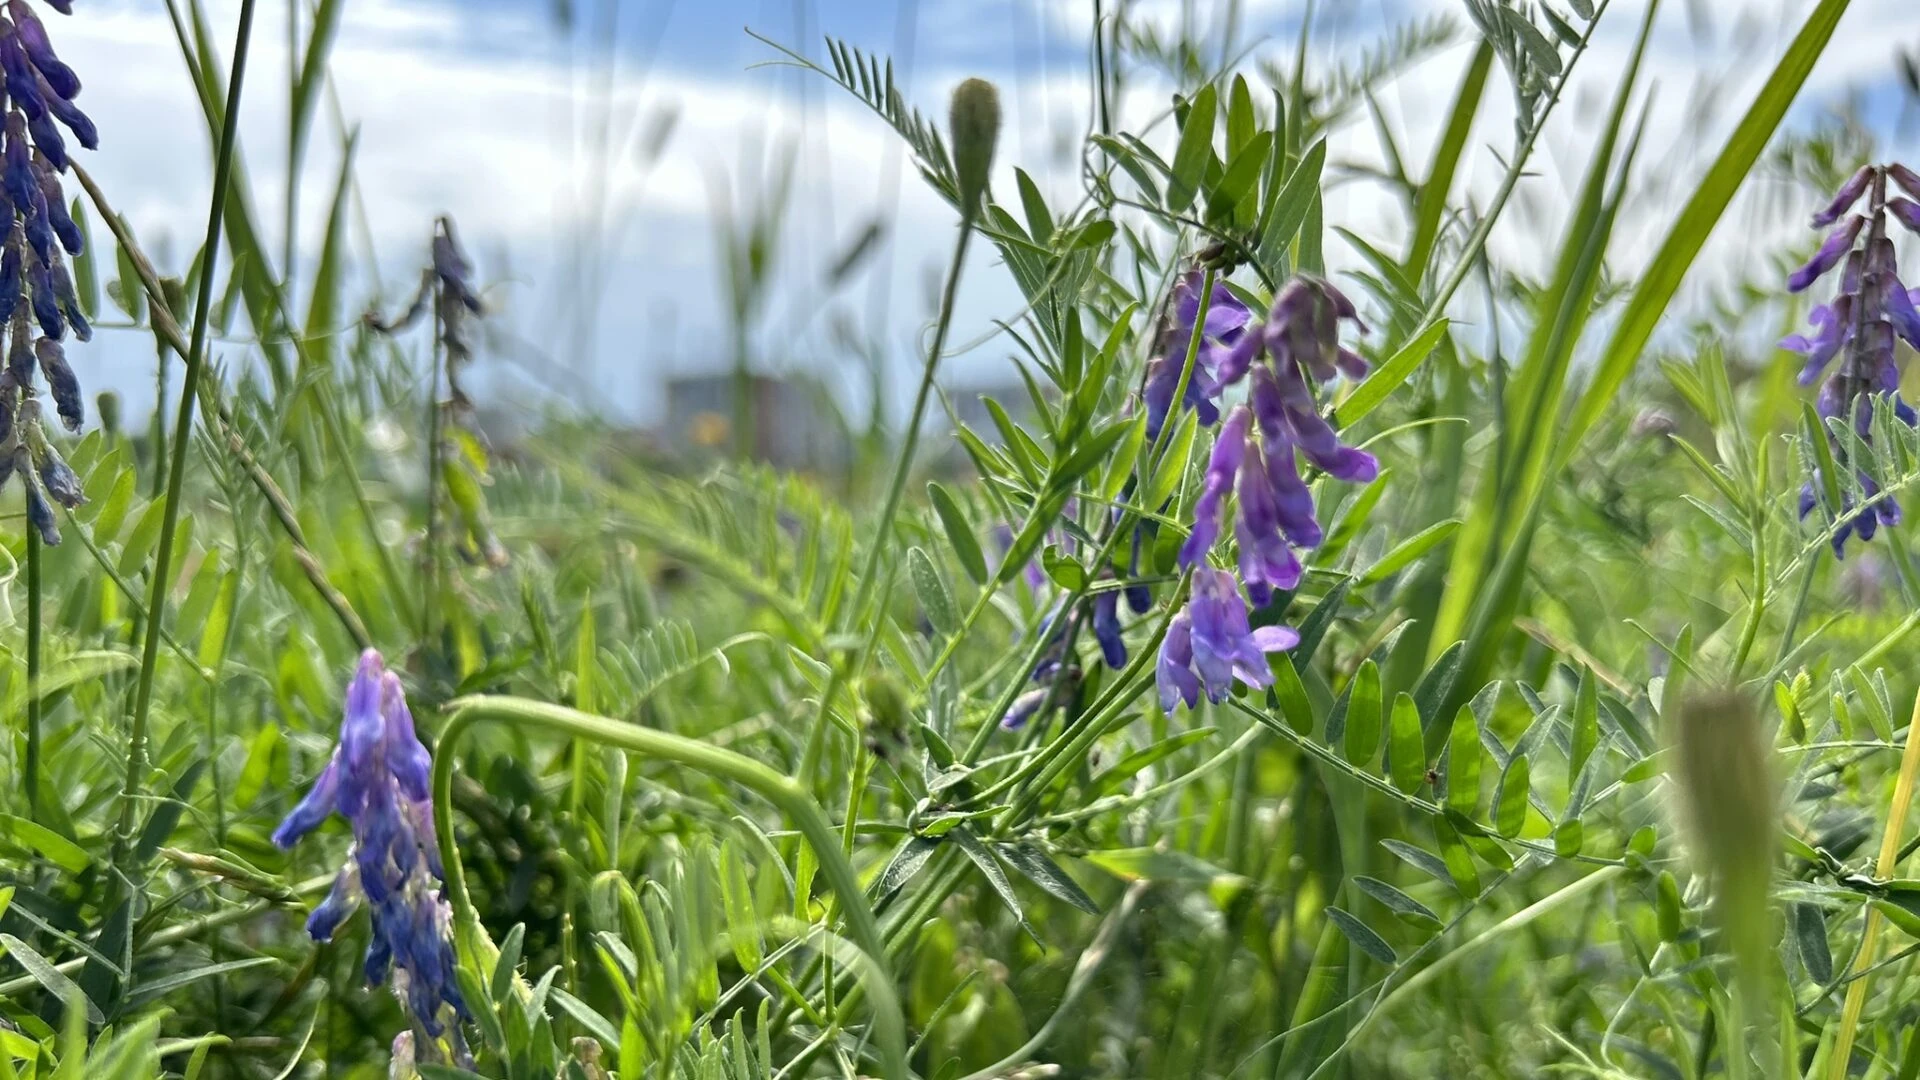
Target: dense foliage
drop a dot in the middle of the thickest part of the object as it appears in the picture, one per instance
(1437, 668)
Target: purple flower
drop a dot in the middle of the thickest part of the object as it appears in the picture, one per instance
(378, 780)
(1106, 628)
(31, 35)
(1209, 644)
(1228, 451)
(1173, 671)
(1853, 345)
(1902, 313)
(1907, 180)
(1832, 331)
(1837, 244)
(1024, 707)
(1844, 199)
(1266, 562)
(1907, 212)
(1301, 341)
(1226, 324)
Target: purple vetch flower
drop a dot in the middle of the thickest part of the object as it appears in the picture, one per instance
(1853, 346)
(1024, 708)
(1844, 199)
(1226, 324)
(1173, 671)
(1838, 243)
(1283, 360)
(1906, 212)
(1229, 449)
(1209, 644)
(1106, 628)
(38, 302)
(378, 780)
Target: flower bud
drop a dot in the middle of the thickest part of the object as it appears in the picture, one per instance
(107, 404)
(973, 120)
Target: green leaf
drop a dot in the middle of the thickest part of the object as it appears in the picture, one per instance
(57, 849)
(1364, 707)
(1172, 466)
(131, 294)
(1409, 910)
(911, 857)
(1128, 767)
(1362, 936)
(1063, 571)
(932, 590)
(1431, 204)
(1245, 171)
(1586, 725)
(1120, 463)
(49, 977)
(166, 984)
(1567, 838)
(1242, 124)
(1035, 866)
(966, 547)
(1386, 378)
(1092, 451)
(982, 857)
(1510, 806)
(1292, 695)
(1810, 933)
(1194, 151)
(506, 965)
(1463, 763)
(1039, 219)
(1406, 551)
(1459, 861)
(1406, 749)
(1420, 859)
(1696, 220)
(86, 271)
(597, 1025)
(323, 301)
(1290, 204)
(1667, 906)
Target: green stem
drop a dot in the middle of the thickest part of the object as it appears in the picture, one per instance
(33, 674)
(783, 792)
(884, 527)
(182, 430)
(429, 601)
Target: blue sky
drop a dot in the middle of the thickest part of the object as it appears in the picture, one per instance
(488, 110)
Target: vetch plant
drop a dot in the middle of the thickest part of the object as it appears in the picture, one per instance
(379, 778)
(1853, 344)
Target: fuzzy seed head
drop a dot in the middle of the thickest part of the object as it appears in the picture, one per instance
(973, 120)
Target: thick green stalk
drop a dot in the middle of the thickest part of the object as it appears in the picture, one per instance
(182, 431)
(783, 792)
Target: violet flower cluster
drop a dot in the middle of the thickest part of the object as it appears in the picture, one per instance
(378, 779)
(1255, 459)
(1853, 338)
(38, 304)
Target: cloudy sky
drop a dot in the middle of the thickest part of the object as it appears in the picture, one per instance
(588, 149)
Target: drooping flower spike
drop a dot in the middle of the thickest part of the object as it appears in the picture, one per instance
(1255, 455)
(378, 779)
(37, 236)
(1853, 340)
